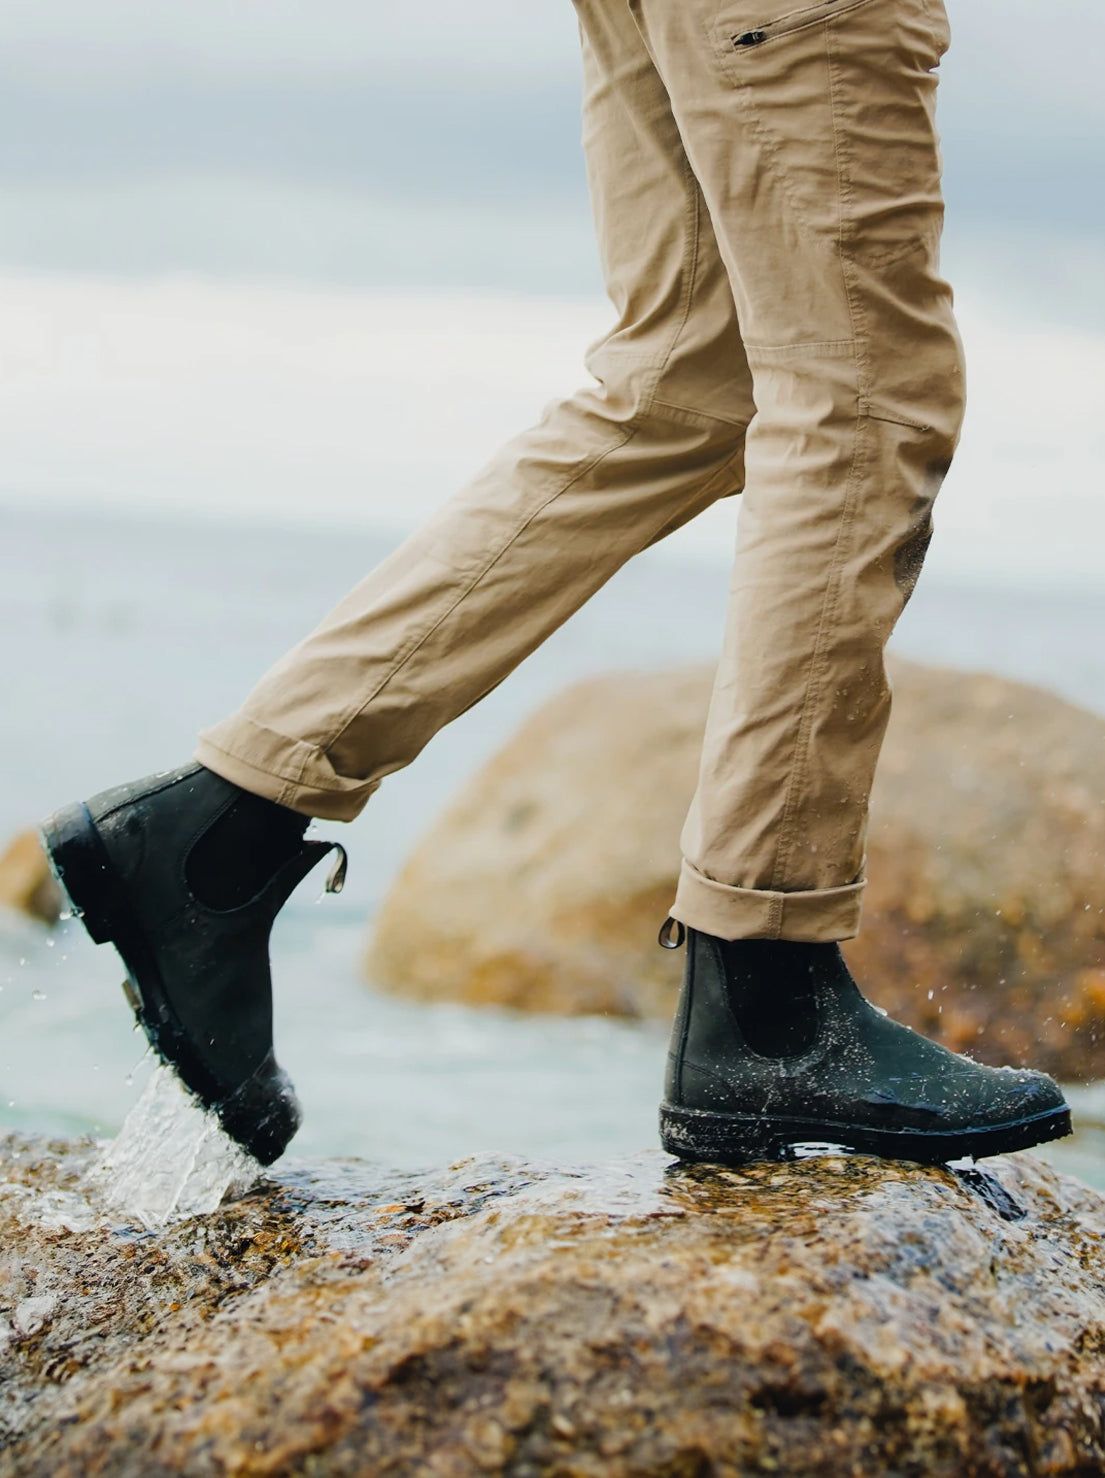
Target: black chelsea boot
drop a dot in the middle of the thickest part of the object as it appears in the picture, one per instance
(185, 873)
(774, 1046)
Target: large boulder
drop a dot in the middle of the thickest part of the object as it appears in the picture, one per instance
(26, 882)
(544, 884)
(542, 887)
(837, 1317)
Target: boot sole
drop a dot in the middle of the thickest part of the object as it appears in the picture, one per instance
(260, 1120)
(737, 1139)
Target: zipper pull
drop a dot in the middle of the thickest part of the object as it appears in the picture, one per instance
(750, 38)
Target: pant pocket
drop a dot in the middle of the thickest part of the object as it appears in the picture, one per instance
(743, 25)
(839, 99)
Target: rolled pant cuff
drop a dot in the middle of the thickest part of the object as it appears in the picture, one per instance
(281, 769)
(820, 916)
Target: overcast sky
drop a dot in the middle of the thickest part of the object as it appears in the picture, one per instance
(294, 40)
(378, 144)
(370, 141)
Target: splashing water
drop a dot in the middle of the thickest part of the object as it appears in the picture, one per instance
(172, 1158)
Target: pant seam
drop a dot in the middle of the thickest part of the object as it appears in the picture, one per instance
(703, 420)
(818, 663)
(775, 917)
(294, 777)
(774, 146)
(288, 784)
(692, 224)
(630, 430)
(856, 315)
(765, 354)
(769, 141)
(301, 770)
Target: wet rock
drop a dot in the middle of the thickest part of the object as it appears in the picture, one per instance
(26, 882)
(542, 887)
(32, 1314)
(840, 1316)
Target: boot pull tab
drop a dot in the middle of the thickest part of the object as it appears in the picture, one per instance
(672, 934)
(336, 881)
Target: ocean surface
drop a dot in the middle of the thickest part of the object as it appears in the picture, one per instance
(120, 635)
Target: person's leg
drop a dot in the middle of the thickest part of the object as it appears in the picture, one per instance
(815, 141)
(558, 511)
(812, 133)
(184, 872)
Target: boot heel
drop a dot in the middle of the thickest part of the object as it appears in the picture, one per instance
(695, 1135)
(82, 869)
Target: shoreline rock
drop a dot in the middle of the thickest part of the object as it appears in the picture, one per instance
(26, 882)
(839, 1316)
(543, 885)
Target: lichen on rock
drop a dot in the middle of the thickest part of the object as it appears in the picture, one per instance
(836, 1316)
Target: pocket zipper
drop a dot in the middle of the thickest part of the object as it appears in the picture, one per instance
(758, 36)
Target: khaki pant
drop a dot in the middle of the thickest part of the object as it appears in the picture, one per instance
(766, 186)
